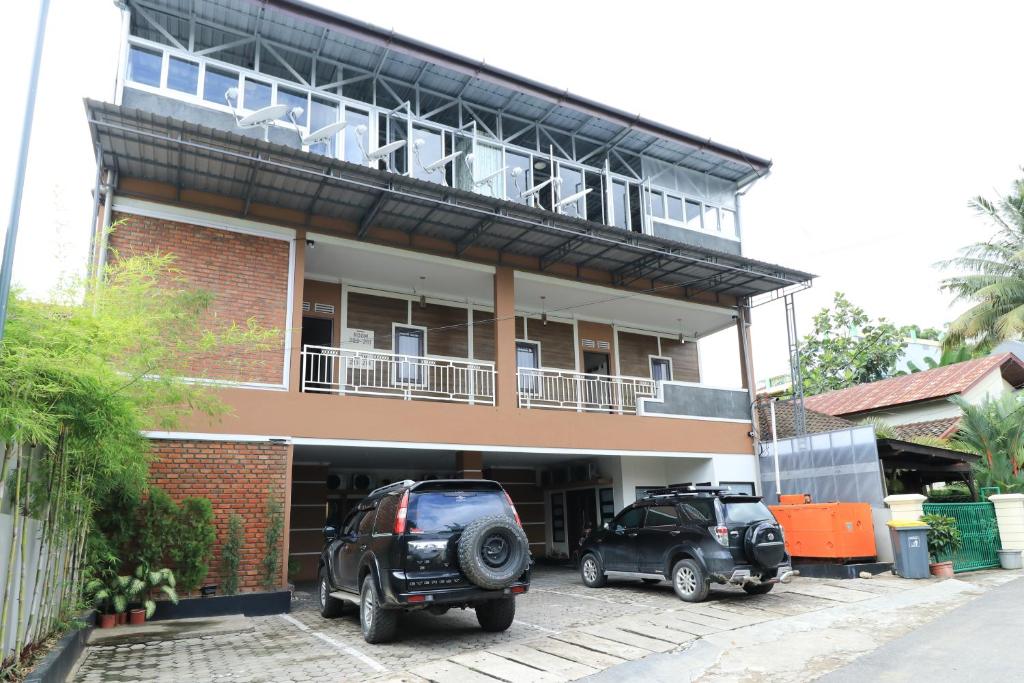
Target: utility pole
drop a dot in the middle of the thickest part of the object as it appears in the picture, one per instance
(7, 265)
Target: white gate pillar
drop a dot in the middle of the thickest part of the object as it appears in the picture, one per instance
(906, 505)
(1010, 518)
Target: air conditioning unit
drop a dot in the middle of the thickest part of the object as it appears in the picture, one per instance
(360, 481)
(333, 482)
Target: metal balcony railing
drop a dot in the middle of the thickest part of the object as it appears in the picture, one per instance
(331, 370)
(568, 390)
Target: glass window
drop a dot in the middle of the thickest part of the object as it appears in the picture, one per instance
(385, 521)
(700, 510)
(144, 66)
(437, 511)
(692, 214)
(216, 83)
(620, 205)
(711, 218)
(293, 99)
(745, 511)
(323, 113)
(356, 143)
(257, 95)
(661, 515)
(572, 182)
(628, 519)
(518, 174)
(351, 523)
(657, 204)
(675, 208)
(425, 154)
(661, 369)
(728, 219)
(366, 523)
(182, 75)
(396, 130)
(409, 342)
(486, 166)
(528, 356)
(540, 174)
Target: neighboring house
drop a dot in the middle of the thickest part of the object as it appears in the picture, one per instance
(916, 351)
(477, 274)
(918, 404)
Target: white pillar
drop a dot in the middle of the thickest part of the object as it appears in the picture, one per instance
(1010, 518)
(906, 505)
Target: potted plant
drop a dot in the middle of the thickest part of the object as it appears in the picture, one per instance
(105, 590)
(143, 583)
(943, 540)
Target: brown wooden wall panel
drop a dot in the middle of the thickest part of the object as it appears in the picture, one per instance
(377, 313)
(531, 513)
(597, 332)
(483, 335)
(305, 494)
(526, 493)
(307, 567)
(556, 344)
(301, 472)
(446, 329)
(305, 541)
(309, 517)
(536, 533)
(329, 293)
(520, 326)
(684, 360)
(634, 350)
(507, 475)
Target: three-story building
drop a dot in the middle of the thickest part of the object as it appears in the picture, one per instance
(476, 274)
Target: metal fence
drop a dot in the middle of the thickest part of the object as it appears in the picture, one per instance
(331, 370)
(580, 391)
(979, 534)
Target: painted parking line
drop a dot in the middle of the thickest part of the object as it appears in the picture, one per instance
(347, 649)
(534, 626)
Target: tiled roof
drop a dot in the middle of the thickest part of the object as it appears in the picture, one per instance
(815, 423)
(940, 429)
(936, 383)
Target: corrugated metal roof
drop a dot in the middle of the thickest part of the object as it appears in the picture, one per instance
(142, 145)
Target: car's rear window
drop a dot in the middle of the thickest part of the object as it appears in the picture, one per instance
(745, 511)
(436, 511)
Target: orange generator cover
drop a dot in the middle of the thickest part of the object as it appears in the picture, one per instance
(839, 531)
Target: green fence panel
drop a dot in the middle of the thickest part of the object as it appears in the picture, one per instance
(978, 531)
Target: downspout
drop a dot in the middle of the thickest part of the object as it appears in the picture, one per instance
(108, 206)
(94, 216)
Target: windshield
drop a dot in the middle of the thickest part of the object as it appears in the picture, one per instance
(746, 512)
(435, 511)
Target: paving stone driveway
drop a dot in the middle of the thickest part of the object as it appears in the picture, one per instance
(563, 631)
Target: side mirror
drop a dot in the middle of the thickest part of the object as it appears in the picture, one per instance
(605, 526)
(619, 529)
(330, 532)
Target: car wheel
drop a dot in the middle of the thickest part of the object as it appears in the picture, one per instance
(651, 582)
(496, 615)
(590, 571)
(329, 607)
(689, 581)
(379, 625)
(758, 588)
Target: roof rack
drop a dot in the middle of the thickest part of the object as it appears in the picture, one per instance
(405, 483)
(679, 489)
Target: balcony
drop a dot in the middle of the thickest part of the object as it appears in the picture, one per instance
(328, 370)
(582, 392)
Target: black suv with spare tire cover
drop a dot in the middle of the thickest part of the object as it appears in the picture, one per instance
(692, 536)
(429, 545)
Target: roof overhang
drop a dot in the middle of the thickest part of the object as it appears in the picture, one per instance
(896, 454)
(188, 156)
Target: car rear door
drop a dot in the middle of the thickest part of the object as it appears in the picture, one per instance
(738, 514)
(620, 551)
(658, 533)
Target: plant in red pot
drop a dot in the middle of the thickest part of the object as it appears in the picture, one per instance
(144, 583)
(943, 541)
(107, 591)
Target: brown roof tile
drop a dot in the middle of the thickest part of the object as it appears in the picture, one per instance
(815, 423)
(940, 429)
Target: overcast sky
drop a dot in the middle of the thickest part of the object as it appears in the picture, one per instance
(882, 119)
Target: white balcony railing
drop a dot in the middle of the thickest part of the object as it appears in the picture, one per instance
(331, 370)
(568, 390)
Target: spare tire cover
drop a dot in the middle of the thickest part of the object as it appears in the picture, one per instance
(764, 544)
(493, 552)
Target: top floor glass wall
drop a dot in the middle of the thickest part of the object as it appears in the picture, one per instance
(446, 142)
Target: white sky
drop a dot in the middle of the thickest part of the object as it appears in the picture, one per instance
(882, 118)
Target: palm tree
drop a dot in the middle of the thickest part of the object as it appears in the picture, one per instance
(993, 277)
(995, 431)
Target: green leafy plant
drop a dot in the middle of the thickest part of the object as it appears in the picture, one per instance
(194, 545)
(145, 581)
(994, 430)
(271, 566)
(943, 537)
(157, 528)
(951, 493)
(293, 568)
(231, 555)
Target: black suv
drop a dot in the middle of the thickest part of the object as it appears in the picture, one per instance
(428, 545)
(691, 536)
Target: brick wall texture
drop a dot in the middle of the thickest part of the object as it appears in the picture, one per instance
(236, 477)
(247, 275)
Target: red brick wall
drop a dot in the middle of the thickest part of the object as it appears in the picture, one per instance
(247, 274)
(236, 477)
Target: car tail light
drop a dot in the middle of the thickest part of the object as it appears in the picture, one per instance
(416, 598)
(513, 506)
(721, 534)
(518, 589)
(403, 510)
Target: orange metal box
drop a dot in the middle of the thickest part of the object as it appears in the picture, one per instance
(839, 531)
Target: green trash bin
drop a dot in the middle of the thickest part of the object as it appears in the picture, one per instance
(909, 548)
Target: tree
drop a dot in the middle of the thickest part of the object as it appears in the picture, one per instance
(847, 348)
(916, 332)
(992, 278)
(994, 430)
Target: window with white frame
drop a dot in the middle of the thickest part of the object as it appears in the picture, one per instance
(528, 357)
(411, 344)
(661, 369)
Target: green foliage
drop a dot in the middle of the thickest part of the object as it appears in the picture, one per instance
(949, 356)
(194, 545)
(231, 555)
(293, 568)
(157, 530)
(271, 569)
(951, 493)
(992, 275)
(847, 348)
(916, 332)
(103, 587)
(994, 430)
(943, 537)
(145, 581)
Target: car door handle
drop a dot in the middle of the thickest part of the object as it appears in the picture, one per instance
(632, 535)
(675, 533)
(363, 547)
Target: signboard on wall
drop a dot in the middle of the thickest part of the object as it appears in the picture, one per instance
(356, 339)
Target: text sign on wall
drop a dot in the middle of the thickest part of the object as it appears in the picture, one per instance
(358, 340)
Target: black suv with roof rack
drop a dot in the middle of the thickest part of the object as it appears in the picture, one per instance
(429, 545)
(692, 536)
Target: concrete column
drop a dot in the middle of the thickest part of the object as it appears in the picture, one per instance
(295, 324)
(286, 535)
(1010, 518)
(469, 464)
(505, 336)
(906, 505)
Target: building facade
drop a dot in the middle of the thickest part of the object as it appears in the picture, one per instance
(474, 274)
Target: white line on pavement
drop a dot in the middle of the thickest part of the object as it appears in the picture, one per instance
(539, 628)
(347, 649)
